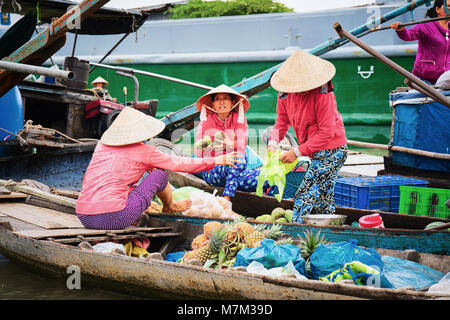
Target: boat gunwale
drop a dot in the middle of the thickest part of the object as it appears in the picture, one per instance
(345, 290)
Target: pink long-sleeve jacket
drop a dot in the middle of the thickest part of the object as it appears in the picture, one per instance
(433, 56)
(315, 119)
(235, 131)
(113, 170)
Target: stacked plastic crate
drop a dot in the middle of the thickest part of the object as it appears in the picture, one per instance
(373, 193)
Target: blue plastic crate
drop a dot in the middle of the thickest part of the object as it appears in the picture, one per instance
(373, 193)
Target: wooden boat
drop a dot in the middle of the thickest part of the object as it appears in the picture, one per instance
(47, 241)
(402, 231)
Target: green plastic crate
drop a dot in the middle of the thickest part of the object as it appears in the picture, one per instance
(424, 201)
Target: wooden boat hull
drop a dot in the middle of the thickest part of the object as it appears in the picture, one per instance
(403, 231)
(161, 279)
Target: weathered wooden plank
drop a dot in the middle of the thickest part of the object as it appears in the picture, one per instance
(13, 195)
(43, 217)
(39, 193)
(41, 234)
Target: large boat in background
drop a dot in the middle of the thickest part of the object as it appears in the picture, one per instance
(212, 51)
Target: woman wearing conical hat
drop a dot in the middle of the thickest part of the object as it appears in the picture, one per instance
(224, 125)
(108, 199)
(307, 103)
(99, 85)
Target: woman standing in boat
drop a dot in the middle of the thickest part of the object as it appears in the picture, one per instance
(433, 51)
(224, 125)
(307, 102)
(108, 199)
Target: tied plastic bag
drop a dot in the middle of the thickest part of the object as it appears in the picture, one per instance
(207, 205)
(406, 273)
(356, 271)
(110, 247)
(443, 82)
(274, 172)
(331, 257)
(258, 268)
(271, 255)
(443, 286)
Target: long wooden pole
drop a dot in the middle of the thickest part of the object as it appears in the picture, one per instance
(418, 152)
(410, 23)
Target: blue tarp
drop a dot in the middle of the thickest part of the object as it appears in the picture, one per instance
(422, 126)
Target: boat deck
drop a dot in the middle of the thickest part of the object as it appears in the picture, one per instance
(359, 164)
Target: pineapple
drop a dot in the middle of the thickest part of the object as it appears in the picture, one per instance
(209, 227)
(310, 242)
(244, 229)
(205, 253)
(199, 241)
(260, 233)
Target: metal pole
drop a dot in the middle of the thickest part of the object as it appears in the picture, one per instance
(435, 94)
(136, 83)
(27, 69)
(151, 74)
(410, 23)
(112, 49)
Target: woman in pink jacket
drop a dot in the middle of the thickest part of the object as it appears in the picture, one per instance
(433, 56)
(108, 198)
(307, 103)
(222, 121)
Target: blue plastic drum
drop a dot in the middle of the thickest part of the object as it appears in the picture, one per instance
(11, 118)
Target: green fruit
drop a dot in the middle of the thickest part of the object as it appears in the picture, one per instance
(265, 218)
(220, 135)
(281, 220)
(198, 144)
(434, 224)
(207, 140)
(277, 213)
(288, 215)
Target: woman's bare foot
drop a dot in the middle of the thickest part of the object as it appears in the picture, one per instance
(177, 206)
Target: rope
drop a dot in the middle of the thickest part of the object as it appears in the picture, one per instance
(29, 124)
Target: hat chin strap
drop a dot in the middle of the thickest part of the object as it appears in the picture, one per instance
(240, 116)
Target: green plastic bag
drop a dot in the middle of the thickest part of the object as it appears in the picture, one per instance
(274, 172)
(355, 270)
(183, 193)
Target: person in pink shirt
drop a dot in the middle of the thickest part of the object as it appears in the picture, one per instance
(222, 119)
(433, 56)
(307, 103)
(109, 199)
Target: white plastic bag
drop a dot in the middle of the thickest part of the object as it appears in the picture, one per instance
(109, 247)
(258, 268)
(207, 205)
(443, 286)
(444, 81)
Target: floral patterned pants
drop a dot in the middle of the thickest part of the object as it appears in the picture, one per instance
(317, 188)
(232, 179)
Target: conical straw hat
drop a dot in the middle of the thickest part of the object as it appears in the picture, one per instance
(302, 72)
(131, 126)
(99, 80)
(207, 99)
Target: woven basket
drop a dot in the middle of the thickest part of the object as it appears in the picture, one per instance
(294, 180)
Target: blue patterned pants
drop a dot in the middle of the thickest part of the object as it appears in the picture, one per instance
(232, 179)
(317, 188)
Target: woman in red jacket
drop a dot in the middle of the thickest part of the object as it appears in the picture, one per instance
(307, 103)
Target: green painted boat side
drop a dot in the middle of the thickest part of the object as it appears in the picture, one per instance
(363, 103)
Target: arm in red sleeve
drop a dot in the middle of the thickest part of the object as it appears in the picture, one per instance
(325, 109)
(157, 159)
(241, 136)
(282, 122)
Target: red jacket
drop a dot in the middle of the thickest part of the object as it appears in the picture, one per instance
(236, 132)
(315, 119)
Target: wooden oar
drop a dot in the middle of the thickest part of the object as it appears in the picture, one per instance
(410, 23)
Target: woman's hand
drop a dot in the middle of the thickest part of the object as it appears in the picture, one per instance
(228, 159)
(288, 156)
(396, 26)
(271, 148)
